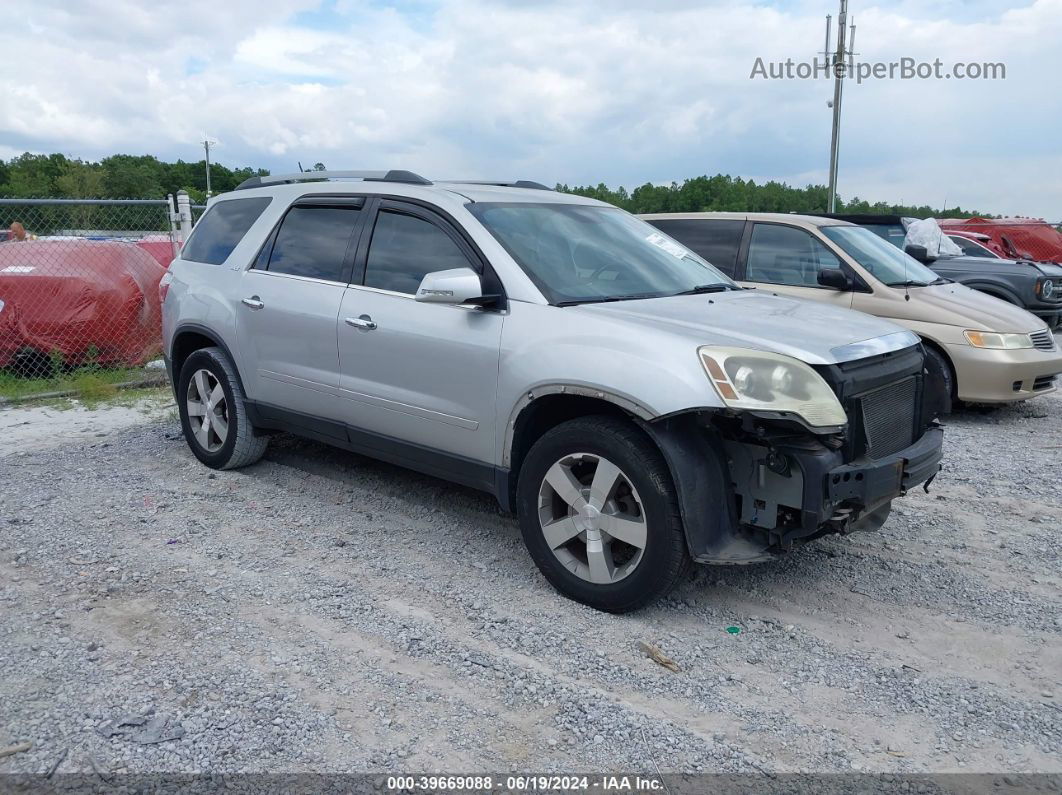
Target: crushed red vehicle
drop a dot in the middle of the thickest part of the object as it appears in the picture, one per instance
(81, 301)
(1012, 238)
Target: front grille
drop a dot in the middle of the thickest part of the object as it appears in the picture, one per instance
(1043, 340)
(889, 417)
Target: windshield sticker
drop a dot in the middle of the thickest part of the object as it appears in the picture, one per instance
(18, 269)
(672, 248)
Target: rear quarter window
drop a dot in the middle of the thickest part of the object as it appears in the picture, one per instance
(222, 228)
(716, 241)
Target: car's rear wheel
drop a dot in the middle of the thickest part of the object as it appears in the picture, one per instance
(213, 417)
(600, 516)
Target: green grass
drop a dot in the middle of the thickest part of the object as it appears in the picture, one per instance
(88, 383)
(147, 397)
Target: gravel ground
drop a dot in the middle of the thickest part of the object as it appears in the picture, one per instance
(321, 611)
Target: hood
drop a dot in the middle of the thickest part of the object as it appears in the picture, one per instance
(806, 330)
(957, 305)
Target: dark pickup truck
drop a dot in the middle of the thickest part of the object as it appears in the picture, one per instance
(1035, 286)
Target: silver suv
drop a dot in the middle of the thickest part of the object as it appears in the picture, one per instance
(633, 405)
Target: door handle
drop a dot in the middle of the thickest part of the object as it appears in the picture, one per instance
(254, 302)
(364, 322)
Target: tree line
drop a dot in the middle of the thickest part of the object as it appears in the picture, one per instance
(57, 176)
(724, 193)
(147, 177)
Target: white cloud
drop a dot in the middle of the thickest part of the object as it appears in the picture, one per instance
(616, 91)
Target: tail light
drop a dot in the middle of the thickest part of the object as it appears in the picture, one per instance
(164, 286)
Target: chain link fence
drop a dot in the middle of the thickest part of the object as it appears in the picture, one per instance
(79, 299)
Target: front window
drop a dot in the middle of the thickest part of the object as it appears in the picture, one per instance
(578, 253)
(781, 254)
(883, 260)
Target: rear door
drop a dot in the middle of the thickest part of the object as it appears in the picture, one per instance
(787, 259)
(289, 306)
(421, 373)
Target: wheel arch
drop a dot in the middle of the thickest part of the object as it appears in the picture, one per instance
(544, 408)
(996, 290)
(940, 349)
(191, 337)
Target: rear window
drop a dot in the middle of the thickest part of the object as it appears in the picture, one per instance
(717, 241)
(222, 228)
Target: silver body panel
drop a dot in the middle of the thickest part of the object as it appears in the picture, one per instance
(453, 378)
(427, 374)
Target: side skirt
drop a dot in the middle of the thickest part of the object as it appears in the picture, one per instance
(456, 469)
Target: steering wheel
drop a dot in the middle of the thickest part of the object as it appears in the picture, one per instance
(575, 264)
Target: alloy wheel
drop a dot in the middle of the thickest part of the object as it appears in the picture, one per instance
(592, 518)
(208, 411)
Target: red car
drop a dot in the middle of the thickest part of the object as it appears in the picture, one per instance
(1011, 238)
(79, 300)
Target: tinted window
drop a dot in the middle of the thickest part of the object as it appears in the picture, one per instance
(405, 248)
(787, 255)
(221, 228)
(716, 241)
(312, 241)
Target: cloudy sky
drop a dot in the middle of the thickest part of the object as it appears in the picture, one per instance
(576, 91)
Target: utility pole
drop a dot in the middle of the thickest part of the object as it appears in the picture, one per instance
(837, 60)
(206, 148)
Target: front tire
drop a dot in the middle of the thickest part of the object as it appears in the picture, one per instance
(600, 516)
(938, 366)
(213, 417)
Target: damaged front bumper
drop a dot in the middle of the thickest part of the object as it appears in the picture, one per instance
(869, 484)
(783, 491)
(795, 491)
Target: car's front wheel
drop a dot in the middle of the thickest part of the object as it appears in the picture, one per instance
(600, 516)
(213, 417)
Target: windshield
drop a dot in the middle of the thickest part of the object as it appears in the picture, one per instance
(578, 253)
(884, 261)
(894, 233)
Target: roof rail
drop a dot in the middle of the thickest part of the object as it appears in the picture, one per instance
(520, 183)
(394, 175)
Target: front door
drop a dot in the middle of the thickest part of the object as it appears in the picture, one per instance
(289, 308)
(417, 372)
(787, 260)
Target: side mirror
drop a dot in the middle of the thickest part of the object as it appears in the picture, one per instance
(835, 278)
(455, 286)
(919, 253)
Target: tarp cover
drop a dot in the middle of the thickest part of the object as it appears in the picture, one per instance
(926, 232)
(88, 301)
(158, 246)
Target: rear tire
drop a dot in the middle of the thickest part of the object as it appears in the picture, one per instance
(213, 417)
(615, 535)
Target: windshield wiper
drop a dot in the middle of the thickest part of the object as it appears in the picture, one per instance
(907, 284)
(604, 299)
(718, 287)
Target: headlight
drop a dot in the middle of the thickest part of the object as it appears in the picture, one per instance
(1046, 289)
(990, 339)
(748, 379)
